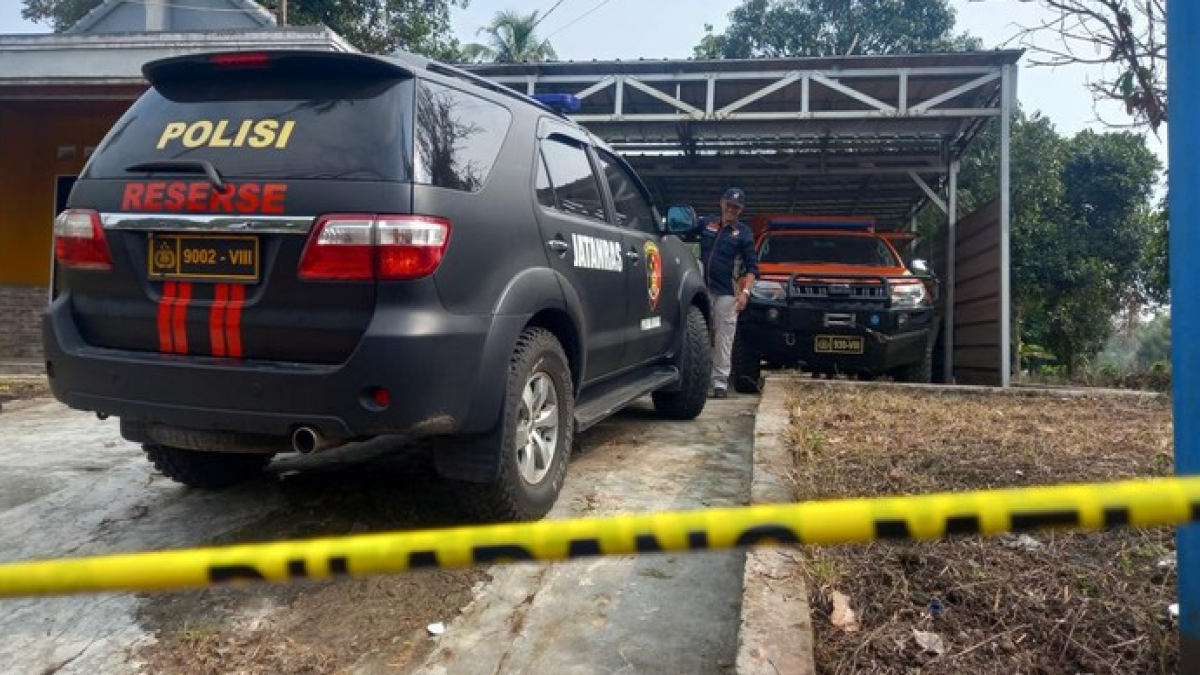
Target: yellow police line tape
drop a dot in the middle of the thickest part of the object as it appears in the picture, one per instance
(1169, 501)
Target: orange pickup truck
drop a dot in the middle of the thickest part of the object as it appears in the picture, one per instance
(835, 297)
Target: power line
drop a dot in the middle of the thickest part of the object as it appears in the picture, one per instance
(547, 14)
(580, 18)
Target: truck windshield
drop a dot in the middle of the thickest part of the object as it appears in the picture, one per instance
(829, 249)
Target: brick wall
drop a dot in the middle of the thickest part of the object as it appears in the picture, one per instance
(20, 321)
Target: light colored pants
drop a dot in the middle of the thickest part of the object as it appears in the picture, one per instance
(725, 317)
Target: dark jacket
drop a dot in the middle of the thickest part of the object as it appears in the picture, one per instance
(720, 249)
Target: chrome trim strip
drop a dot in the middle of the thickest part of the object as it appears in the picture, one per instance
(177, 222)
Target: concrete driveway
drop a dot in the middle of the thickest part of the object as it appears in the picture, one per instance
(72, 487)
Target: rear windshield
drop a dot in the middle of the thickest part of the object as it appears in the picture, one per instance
(829, 249)
(283, 126)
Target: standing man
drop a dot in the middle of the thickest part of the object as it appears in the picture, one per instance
(730, 267)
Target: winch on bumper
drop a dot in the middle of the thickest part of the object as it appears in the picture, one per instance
(866, 341)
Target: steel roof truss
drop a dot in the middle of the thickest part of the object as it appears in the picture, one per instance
(693, 112)
(933, 196)
(769, 89)
(921, 108)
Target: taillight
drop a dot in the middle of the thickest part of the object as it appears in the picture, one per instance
(365, 247)
(79, 240)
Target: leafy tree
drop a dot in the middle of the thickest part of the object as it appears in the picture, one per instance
(1128, 33)
(61, 14)
(779, 28)
(511, 39)
(1037, 156)
(1154, 343)
(1082, 230)
(375, 26)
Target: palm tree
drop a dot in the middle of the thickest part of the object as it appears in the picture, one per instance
(511, 40)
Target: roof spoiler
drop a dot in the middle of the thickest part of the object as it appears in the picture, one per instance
(207, 65)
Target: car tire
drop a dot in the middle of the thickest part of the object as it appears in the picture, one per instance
(695, 369)
(920, 372)
(745, 369)
(537, 418)
(199, 469)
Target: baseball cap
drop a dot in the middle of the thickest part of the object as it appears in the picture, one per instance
(734, 196)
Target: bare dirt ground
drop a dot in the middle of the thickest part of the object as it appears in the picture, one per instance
(1061, 602)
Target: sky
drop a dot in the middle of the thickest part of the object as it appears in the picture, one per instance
(583, 30)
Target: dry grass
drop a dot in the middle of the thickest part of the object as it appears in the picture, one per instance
(1063, 602)
(16, 387)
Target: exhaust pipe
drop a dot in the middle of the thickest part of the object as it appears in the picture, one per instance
(307, 440)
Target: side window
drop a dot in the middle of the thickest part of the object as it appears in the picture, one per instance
(545, 191)
(458, 137)
(572, 180)
(633, 208)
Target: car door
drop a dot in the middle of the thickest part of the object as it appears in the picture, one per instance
(651, 275)
(583, 245)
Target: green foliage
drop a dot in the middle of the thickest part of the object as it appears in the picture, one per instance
(779, 28)
(1153, 348)
(374, 26)
(1082, 232)
(60, 14)
(383, 26)
(511, 39)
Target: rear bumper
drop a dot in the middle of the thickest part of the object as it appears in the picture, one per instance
(788, 336)
(433, 364)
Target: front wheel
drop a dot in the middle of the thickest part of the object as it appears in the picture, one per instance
(695, 369)
(745, 368)
(200, 469)
(533, 437)
(920, 372)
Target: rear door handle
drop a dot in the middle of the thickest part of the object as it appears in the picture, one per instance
(632, 256)
(558, 246)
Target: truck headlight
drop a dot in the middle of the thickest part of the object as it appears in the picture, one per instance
(908, 294)
(768, 290)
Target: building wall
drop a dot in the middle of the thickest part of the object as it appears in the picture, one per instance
(39, 142)
(20, 331)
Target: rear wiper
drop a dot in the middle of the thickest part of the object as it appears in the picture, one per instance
(182, 166)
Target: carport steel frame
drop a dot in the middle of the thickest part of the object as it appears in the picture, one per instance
(898, 123)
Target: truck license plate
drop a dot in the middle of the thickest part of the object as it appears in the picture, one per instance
(838, 344)
(203, 257)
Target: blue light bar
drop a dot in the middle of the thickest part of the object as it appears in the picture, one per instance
(563, 103)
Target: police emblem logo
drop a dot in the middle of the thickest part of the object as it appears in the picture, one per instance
(164, 258)
(654, 274)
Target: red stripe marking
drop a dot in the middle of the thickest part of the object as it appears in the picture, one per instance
(164, 317)
(233, 320)
(179, 317)
(216, 320)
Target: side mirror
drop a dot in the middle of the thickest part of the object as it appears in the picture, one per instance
(681, 220)
(921, 268)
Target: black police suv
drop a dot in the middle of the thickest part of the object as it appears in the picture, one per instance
(287, 251)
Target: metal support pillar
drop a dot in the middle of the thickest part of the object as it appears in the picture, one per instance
(1007, 109)
(951, 260)
(1183, 79)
